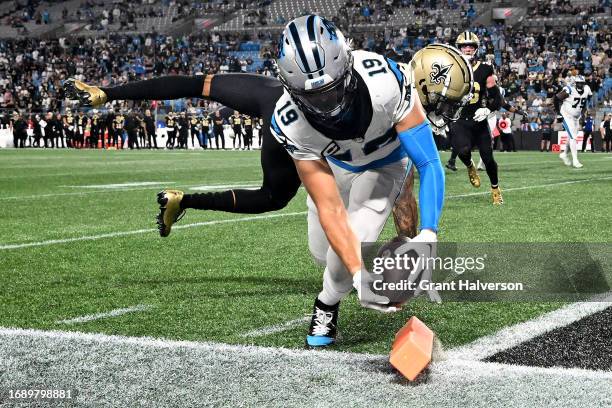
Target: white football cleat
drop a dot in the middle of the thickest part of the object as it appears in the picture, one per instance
(578, 165)
(566, 160)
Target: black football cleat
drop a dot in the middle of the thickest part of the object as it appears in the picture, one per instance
(451, 166)
(323, 326)
(170, 210)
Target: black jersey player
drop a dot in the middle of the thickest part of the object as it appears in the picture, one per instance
(472, 129)
(280, 178)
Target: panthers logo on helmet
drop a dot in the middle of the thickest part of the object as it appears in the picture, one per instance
(439, 72)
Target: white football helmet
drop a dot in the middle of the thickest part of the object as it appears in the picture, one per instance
(578, 82)
(315, 66)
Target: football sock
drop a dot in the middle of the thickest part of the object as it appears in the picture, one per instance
(237, 201)
(218, 201)
(333, 291)
(574, 150)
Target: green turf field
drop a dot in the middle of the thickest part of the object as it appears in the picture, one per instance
(216, 282)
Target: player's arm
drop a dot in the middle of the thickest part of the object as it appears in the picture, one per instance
(319, 181)
(561, 96)
(494, 96)
(415, 134)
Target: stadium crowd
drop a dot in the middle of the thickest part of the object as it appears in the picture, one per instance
(531, 63)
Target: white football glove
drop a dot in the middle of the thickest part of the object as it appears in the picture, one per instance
(481, 114)
(440, 131)
(426, 236)
(367, 298)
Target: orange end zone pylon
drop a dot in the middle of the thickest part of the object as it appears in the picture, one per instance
(412, 348)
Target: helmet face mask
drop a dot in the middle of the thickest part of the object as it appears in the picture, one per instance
(315, 66)
(468, 39)
(579, 83)
(330, 100)
(468, 50)
(445, 110)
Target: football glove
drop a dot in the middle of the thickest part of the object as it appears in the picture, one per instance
(367, 298)
(481, 114)
(429, 239)
(440, 131)
(86, 95)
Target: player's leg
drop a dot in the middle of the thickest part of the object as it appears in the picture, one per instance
(280, 185)
(463, 137)
(571, 126)
(370, 202)
(486, 153)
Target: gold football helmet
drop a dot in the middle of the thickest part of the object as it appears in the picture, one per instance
(444, 81)
(468, 38)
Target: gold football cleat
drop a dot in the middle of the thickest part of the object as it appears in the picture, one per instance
(170, 210)
(473, 175)
(87, 95)
(497, 196)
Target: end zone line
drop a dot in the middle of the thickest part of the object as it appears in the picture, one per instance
(143, 231)
(105, 315)
(277, 328)
(511, 336)
(475, 368)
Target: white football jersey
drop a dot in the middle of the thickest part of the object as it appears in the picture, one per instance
(572, 105)
(392, 95)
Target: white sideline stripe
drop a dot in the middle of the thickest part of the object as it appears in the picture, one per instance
(143, 231)
(105, 315)
(197, 224)
(485, 368)
(278, 328)
(120, 185)
(86, 192)
(511, 336)
(561, 183)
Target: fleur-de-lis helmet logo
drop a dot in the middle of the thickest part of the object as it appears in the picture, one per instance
(439, 73)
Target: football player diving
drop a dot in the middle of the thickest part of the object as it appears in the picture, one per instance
(353, 123)
(472, 128)
(341, 116)
(573, 100)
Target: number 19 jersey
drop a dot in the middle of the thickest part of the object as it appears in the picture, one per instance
(392, 96)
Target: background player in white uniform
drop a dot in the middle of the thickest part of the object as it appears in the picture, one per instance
(349, 120)
(573, 97)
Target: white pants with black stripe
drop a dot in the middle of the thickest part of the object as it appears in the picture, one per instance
(571, 124)
(369, 197)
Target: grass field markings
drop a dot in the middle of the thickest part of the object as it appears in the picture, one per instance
(105, 315)
(121, 185)
(511, 336)
(277, 328)
(560, 183)
(291, 376)
(5, 247)
(77, 193)
(198, 224)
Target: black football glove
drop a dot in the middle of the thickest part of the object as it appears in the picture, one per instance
(86, 95)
